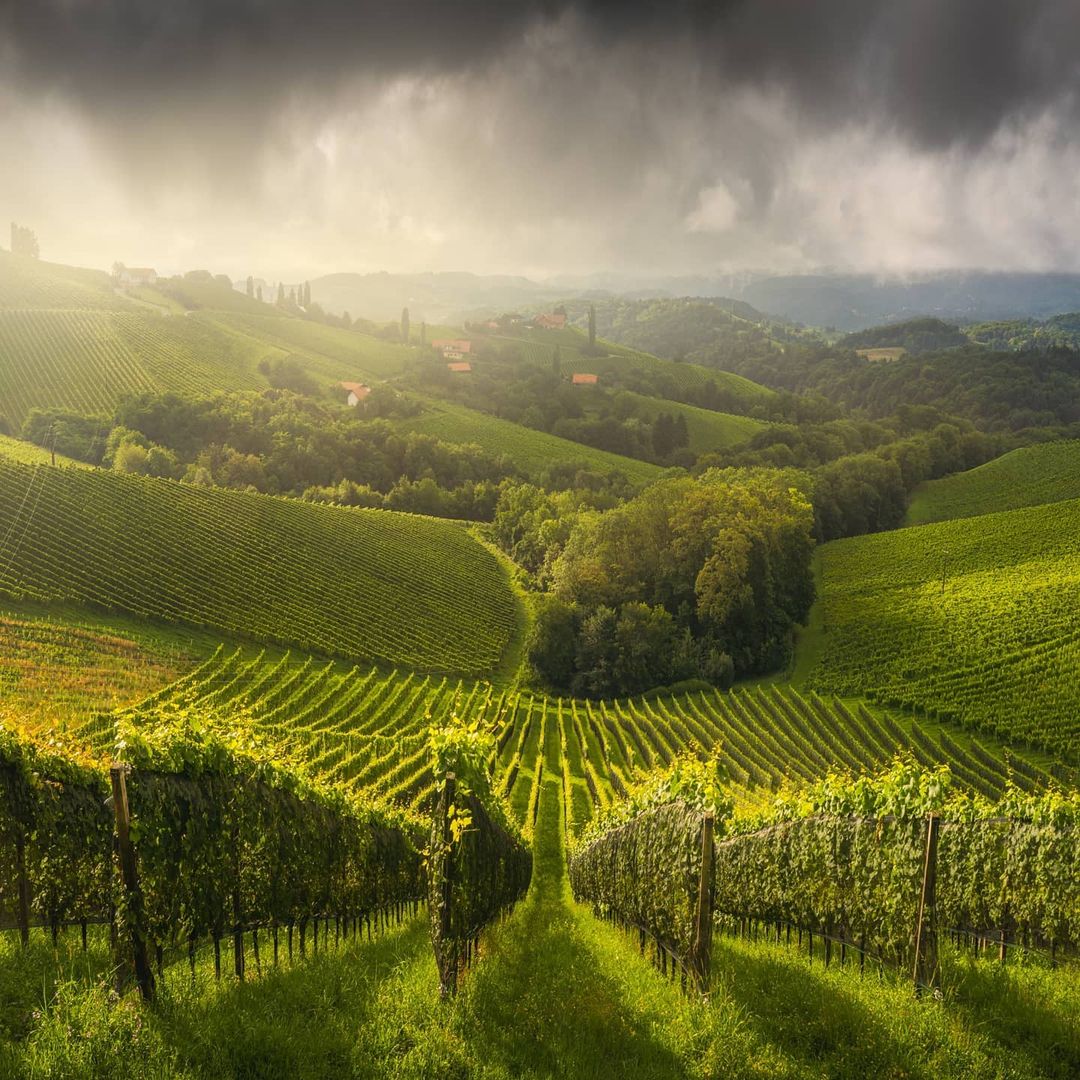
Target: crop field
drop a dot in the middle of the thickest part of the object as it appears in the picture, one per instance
(333, 353)
(971, 620)
(708, 430)
(59, 668)
(367, 730)
(1030, 476)
(376, 585)
(30, 283)
(87, 360)
(31, 454)
(531, 451)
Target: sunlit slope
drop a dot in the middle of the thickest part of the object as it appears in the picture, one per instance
(369, 584)
(31, 283)
(87, 360)
(30, 454)
(331, 352)
(368, 730)
(531, 451)
(1030, 476)
(974, 620)
(708, 430)
(611, 358)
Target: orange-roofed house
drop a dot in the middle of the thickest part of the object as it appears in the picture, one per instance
(356, 391)
(550, 322)
(453, 350)
(462, 367)
(581, 378)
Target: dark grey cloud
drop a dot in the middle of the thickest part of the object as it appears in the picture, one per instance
(943, 71)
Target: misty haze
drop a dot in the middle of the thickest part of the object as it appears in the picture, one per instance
(540, 539)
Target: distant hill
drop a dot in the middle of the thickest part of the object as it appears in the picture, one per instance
(912, 335)
(857, 301)
(1058, 330)
(1030, 476)
(433, 298)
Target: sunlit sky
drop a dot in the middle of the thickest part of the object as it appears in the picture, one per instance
(545, 138)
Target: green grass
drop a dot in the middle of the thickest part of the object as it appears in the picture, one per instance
(531, 451)
(378, 585)
(1030, 476)
(971, 620)
(30, 454)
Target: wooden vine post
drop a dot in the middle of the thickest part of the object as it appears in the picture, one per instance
(129, 873)
(23, 912)
(927, 974)
(703, 915)
(449, 970)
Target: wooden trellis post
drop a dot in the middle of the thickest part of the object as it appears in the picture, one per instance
(703, 916)
(927, 974)
(129, 874)
(448, 984)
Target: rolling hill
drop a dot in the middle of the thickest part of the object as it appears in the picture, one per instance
(972, 620)
(377, 585)
(1030, 476)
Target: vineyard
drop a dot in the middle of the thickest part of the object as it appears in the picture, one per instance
(366, 731)
(87, 360)
(30, 454)
(30, 283)
(708, 430)
(367, 584)
(971, 621)
(1030, 476)
(879, 865)
(531, 451)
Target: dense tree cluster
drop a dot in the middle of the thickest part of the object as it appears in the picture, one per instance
(701, 577)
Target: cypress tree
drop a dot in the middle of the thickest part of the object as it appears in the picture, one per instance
(405, 325)
(592, 326)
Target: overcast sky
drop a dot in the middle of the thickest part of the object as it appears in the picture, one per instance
(293, 139)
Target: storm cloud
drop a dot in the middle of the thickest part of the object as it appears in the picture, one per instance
(542, 137)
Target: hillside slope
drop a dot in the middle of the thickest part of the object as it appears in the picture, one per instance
(972, 620)
(1030, 476)
(377, 585)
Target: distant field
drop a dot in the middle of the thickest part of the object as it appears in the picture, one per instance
(87, 360)
(539, 345)
(708, 430)
(30, 283)
(335, 354)
(531, 451)
(1030, 476)
(29, 454)
(882, 355)
(377, 585)
(59, 667)
(972, 620)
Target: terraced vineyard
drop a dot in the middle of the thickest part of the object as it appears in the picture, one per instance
(708, 430)
(367, 584)
(1030, 476)
(368, 729)
(30, 283)
(971, 620)
(531, 451)
(87, 360)
(31, 454)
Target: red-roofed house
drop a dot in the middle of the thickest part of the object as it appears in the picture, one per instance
(136, 275)
(550, 322)
(581, 378)
(453, 349)
(461, 366)
(357, 391)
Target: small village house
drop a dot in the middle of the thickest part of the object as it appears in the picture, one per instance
(582, 378)
(460, 367)
(550, 322)
(356, 391)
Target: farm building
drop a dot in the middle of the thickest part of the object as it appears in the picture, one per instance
(461, 367)
(356, 391)
(453, 349)
(581, 378)
(129, 276)
(550, 322)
